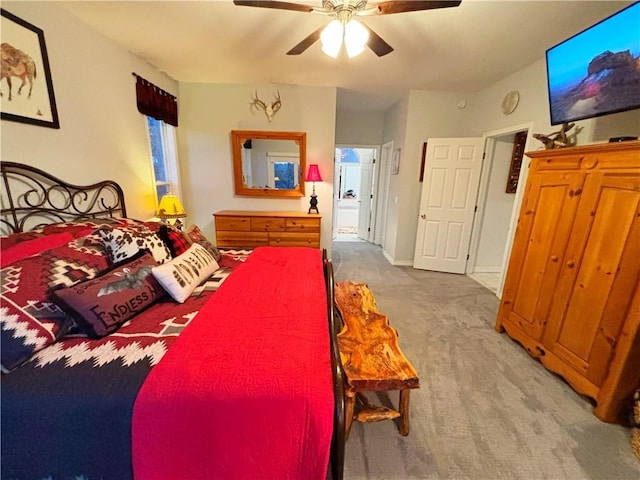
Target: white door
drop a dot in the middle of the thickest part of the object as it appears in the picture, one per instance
(366, 182)
(449, 192)
(384, 169)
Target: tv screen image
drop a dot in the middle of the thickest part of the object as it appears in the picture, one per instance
(597, 71)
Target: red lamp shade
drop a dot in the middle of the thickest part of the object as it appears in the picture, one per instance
(313, 174)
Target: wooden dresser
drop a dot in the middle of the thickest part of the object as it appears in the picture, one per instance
(572, 295)
(240, 228)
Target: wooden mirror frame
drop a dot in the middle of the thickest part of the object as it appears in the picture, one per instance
(238, 137)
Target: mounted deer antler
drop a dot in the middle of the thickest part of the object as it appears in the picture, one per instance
(269, 110)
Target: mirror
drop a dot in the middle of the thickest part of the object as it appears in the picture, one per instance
(269, 164)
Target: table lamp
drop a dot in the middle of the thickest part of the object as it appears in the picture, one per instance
(171, 208)
(313, 175)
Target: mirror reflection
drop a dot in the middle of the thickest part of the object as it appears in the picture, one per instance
(269, 164)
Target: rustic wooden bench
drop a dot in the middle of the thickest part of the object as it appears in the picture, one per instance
(371, 358)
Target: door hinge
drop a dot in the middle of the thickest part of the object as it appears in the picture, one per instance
(467, 256)
(475, 209)
(484, 154)
(371, 196)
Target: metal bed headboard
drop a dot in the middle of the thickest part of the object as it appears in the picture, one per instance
(31, 198)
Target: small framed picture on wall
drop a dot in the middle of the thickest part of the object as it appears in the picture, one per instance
(27, 94)
(395, 165)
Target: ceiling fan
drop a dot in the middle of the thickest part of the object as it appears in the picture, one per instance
(344, 27)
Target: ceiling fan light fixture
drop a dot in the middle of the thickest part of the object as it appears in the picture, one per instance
(331, 38)
(355, 38)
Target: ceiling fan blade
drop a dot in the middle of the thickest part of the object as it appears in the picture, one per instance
(275, 4)
(306, 43)
(401, 6)
(377, 44)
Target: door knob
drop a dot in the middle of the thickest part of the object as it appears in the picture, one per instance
(423, 216)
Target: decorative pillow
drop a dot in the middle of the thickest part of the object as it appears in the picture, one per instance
(28, 320)
(102, 304)
(32, 247)
(194, 235)
(173, 239)
(184, 273)
(124, 242)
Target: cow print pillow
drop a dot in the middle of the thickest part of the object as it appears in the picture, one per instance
(124, 242)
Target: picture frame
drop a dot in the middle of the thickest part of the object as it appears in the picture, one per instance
(424, 157)
(395, 164)
(26, 87)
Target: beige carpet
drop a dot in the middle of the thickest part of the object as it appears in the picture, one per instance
(485, 409)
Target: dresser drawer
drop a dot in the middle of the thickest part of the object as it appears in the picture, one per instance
(246, 228)
(241, 239)
(302, 225)
(267, 224)
(237, 224)
(288, 239)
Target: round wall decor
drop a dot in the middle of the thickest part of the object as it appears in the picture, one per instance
(510, 102)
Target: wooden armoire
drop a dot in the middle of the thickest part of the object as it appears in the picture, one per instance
(571, 295)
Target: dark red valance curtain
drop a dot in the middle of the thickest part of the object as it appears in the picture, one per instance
(155, 102)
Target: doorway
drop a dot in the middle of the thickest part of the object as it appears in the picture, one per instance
(498, 206)
(353, 193)
(442, 246)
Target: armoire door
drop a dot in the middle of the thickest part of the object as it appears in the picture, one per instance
(544, 226)
(598, 276)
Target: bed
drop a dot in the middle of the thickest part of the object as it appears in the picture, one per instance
(238, 376)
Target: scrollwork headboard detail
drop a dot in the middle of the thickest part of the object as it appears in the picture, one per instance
(31, 198)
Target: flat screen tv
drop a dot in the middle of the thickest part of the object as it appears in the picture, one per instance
(597, 71)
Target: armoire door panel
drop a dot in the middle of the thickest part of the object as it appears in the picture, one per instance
(546, 223)
(598, 250)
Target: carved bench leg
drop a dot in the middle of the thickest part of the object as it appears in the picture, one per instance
(404, 412)
(349, 404)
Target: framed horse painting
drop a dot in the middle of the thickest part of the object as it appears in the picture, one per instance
(26, 89)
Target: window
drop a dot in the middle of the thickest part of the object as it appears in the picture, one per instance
(164, 160)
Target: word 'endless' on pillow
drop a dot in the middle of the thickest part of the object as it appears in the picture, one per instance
(101, 305)
(183, 274)
(124, 242)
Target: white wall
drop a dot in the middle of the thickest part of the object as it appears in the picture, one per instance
(102, 135)
(497, 211)
(420, 115)
(359, 128)
(395, 124)
(208, 113)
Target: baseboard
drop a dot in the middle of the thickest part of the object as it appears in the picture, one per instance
(397, 263)
(403, 263)
(487, 270)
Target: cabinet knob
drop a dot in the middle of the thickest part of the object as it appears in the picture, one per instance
(554, 258)
(571, 264)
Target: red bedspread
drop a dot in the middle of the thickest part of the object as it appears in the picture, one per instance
(245, 392)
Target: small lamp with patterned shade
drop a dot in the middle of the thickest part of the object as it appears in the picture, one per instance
(171, 208)
(313, 175)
